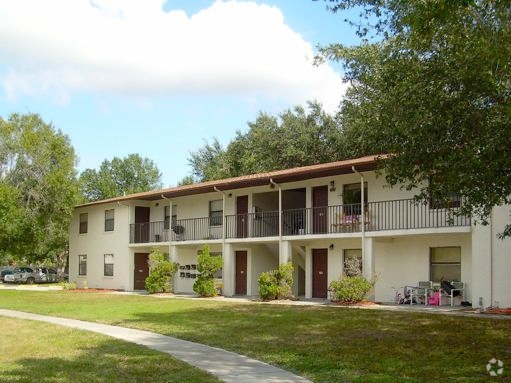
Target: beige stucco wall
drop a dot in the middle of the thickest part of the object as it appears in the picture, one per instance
(96, 242)
(405, 260)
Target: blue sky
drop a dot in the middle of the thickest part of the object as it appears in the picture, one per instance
(158, 77)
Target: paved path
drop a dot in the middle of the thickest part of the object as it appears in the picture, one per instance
(227, 366)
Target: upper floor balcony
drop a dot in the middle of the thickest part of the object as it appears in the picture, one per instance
(406, 214)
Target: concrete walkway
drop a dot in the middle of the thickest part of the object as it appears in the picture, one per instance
(225, 365)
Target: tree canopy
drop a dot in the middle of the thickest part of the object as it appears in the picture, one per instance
(296, 137)
(432, 89)
(38, 188)
(120, 176)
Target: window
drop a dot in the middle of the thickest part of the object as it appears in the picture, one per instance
(449, 202)
(216, 212)
(109, 265)
(109, 220)
(82, 265)
(352, 198)
(166, 216)
(84, 218)
(441, 198)
(445, 264)
(352, 262)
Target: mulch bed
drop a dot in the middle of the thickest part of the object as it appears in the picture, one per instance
(503, 311)
(90, 290)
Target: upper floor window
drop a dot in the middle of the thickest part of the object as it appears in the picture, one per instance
(109, 265)
(109, 220)
(216, 212)
(167, 218)
(84, 219)
(82, 265)
(352, 198)
(440, 197)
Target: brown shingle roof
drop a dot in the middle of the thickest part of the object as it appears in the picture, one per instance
(278, 176)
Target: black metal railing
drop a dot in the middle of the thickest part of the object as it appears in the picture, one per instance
(252, 225)
(407, 214)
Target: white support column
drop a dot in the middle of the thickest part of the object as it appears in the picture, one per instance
(481, 266)
(285, 252)
(173, 257)
(228, 272)
(368, 263)
(308, 273)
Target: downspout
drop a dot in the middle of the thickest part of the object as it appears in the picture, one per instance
(280, 216)
(170, 222)
(362, 210)
(224, 226)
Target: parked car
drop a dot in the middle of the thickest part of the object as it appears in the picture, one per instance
(5, 272)
(32, 275)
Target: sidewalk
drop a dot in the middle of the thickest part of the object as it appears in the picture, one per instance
(225, 365)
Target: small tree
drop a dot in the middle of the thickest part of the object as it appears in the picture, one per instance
(276, 284)
(161, 272)
(208, 266)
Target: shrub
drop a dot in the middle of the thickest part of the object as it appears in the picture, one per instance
(276, 284)
(350, 289)
(208, 266)
(68, 285)
(161, 273)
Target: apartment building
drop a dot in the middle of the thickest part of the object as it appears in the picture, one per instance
(318, 217)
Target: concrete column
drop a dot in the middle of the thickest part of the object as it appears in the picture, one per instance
(228, 272)
(481, 265)
(286, 252)
(368, 263)
(308, 272)
(173, 257)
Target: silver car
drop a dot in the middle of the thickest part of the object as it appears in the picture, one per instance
(30, 275)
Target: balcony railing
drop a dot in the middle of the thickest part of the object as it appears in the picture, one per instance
(405, 214)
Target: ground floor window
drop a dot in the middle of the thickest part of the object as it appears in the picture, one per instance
(352, 262)
(109, 265)
(82, 265)
(445, 264)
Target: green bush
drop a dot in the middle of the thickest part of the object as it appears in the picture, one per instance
(276, 284)
(208, 266)
(350, 289)
(161, 273)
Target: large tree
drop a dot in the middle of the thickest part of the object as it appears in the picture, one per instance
(120, 176)
(431, 86)
(296, 137)
(38, 189)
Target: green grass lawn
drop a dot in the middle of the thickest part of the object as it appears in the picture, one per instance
(40, 352)
(325, 344)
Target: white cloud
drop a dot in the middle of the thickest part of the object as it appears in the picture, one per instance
(133, 47)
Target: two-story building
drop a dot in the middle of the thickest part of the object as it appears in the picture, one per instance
(318, 217)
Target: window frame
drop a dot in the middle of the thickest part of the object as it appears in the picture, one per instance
(435, 264)
(216, 217)
(107, 266)
(83, 225)
(109, 221)
(169, 221)
(346, 255)
(354, 208)
(82, 262)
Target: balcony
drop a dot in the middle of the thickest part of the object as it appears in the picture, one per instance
(405, 214)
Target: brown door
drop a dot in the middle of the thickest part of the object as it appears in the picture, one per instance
(142, 224)
(141, 271)
(319, 273)
(320, 209)
(241, 273)
(241, 216)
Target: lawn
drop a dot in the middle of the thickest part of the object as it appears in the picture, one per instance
(40, 352)
(325, 344)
